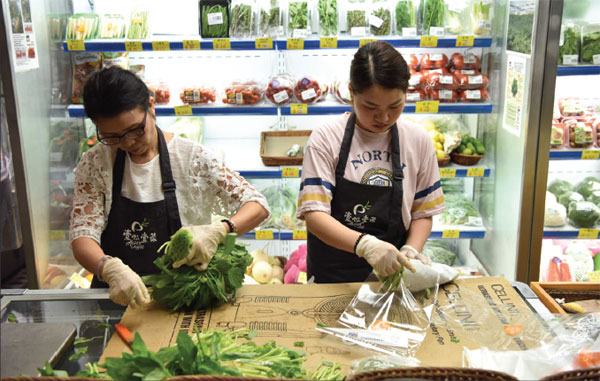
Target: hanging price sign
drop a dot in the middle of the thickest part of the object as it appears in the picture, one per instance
(298, 108)
(75, 45)
(475, 172)
(161, 46)
(221, 44)
(290, 172)
(447, 172)
(328, 43)
(191, 45)
(263, 43)
(365, 41)
(264, 234)
(295, 43)
(465, 41)
(133, 46)
(590, 155)
(427, 107)
(183, 110)
(451, 234)
(299, 234)
(429, 42)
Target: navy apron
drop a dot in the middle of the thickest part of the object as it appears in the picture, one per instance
(136, 230)
(376, 210)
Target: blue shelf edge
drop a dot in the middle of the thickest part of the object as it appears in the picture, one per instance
(274, 174)
(563, 234)
(565, 155)
(564, 71)
(288, 236)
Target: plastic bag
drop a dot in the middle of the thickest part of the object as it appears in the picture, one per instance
(356, 17)
(270, 19)
(243, 19)
(280, 90)
(341, 91)
(84, 65)
(243, 93)
(309, 90)
(198, 94)
(439, 251)
(381, 362)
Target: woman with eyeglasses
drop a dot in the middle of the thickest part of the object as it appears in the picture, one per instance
(141, 185)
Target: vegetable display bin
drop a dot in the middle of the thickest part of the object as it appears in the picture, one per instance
(547, 292)
(275, 144)
(467, 160)
(427, 373)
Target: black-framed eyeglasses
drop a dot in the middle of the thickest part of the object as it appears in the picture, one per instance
(131, 135)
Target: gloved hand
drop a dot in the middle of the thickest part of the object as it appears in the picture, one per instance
(125, 286)
(412, 253)
(382, 256)
(206, 240)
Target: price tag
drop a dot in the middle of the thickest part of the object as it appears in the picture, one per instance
(133, 46)
(464, 41)
(300, 234)
(263, 43)
(161, 45)
(451, 234)
(301, 277)
(221, 44)
(191, 45)
(75, 45)
(590, 155)
(328, 43)
(447, 172)
(299, 108)
(183, 110)
(475, 172)
(295, 43)
(365, 41)
(428, 42)
(427, 107)
(264, 234)
(290, 172)
(588, 233)
(58, 235)
(80, 281)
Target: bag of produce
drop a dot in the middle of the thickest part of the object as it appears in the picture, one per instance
(380, 18)
(478, 95)
(439, 251)
(568, 197)
(580, 133)
(309, 90)
(418, 80)
(481, 16)
(555, 215)
(270, 19)
(569, 43)
(460, 211)
(590, 43)
(280, 90)
(465, 61)
(433, 61)
(412, 61)
(188, 127)
(558, 187)
(443, 95)
(243, 19)
(470, 82)
(584, 214)
(243, 93)
(198, 94)
(159, 91)
(299, 22)
(431, 17)
(438, 81)
(112, 26)
(120, 59)
(139, 25)
(357, 17)
(456, 17)
(328, 17)
(57, 25)
(571, 107)
(341, 91)
(416, 95)
(82, 26)
(588, 186)
(557, 137)
(84, 65)
(214, 18)
(406, 18)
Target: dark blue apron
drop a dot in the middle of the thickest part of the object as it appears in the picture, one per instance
(376, 210)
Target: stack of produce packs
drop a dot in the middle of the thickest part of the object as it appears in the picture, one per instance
(576, 124)
(580, 203)
(570, 261)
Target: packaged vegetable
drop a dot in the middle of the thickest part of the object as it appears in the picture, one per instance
(477, 95)
(328, 17)
(568, 197)
(433, 61)
(438, 81)
(584, 214)
(214, 18)
(380, 18)
(280, 90)
(470, 82)
(243, 93)
(456, 17)
(460, 211)
(112, 26)
(406, 18)
(555, 215)
(439, 251)
(569, 43)
(270, 19)
(82, 26)
(590, 43)
(465, 61)
(120, 59)
(588, 186)
(412, 61)
(139, 25)
(481, 16)
(458, 72)
(198, 94)
(84, 65)
(431, 17)
(139, 70)
(571, 107)
(417, 80)
(243, 19)
(57, 26)
(443, 95)
(357, 17)
(558, 187)
(188, 127)
(299, 19)
(441, 70)
(308, 90)
(416, 95)
(159, 91)
(341, 91)
(580, 133)
(557, 137)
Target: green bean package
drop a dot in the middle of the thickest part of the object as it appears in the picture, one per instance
(328, 17)
(381, 18)
(357, 15)
(270, 19)
(214, 18)
(243, 19)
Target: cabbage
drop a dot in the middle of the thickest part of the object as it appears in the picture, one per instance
(588, 186)
(566, 198)
(283, 205)
(459, 211)
(550, 199)
(594, 197)
(188, 128)
(584, 214)
(556, 215)
(439, 251)
(558, 187)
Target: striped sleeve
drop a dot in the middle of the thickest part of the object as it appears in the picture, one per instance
(318, 182)
(429, 198)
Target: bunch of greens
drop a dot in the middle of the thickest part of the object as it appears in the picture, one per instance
(139, 27)
(181, 287)
(328, 17)
(298, 13)
(241, 20)
(590, 46)
(570, 45)
(439, 251)
(356, 18)
(269, 20)
(431, 13)
(481, 16)
(90, 371)
(458, 211)
(385, 15)
(454, 18)
(214, 30)
(405, 15)
(391, 282)
(283, 204)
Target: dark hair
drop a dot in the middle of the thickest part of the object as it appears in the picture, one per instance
(378, 63)
(112, 91)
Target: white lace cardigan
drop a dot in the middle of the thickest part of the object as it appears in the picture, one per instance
(205, 186)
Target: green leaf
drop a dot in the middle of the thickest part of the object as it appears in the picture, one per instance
(80, 352)
(299, 344)
(103, 325)
(80, 341)
(12, 318)
(138, 344)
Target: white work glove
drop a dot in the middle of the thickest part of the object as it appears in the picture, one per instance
(206, 240)
(413, 253)
(382, 256)
(125, 286)
(428, 276)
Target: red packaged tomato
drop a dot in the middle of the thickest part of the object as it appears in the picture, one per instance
(441, 70)
(438, 81)
(160, 92)
(280, 90)
(470, 82)
(443, 95)
(416, 95)
(466, 71)
(193, 95)
(308, 90)
(433, 61)
(417, 80)
(478, 95)
(413, 62)
(466, 61)
(243, 93)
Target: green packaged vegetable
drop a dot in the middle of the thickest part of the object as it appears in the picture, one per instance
(139, 25)
(299, 22)
(431, 17)
(214, 18)
(406, 17)
(356, 18)
(82, 26)
(112, 26)
(439, 251)
(558, 187)
(588, 186)
(590, 44)
(584, 214)
(568, 197)
(242, 22)
(328, 17)
(570, 38)
(460, 211)
(456, 19)
(481, 16)
(270, 19)
(381, 18)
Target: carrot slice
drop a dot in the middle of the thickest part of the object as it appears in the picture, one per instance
(381, 325)
(589, 359)
(513, 329)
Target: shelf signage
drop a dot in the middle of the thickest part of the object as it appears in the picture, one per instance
(221, 44)
(161, 46)
(428, 42)
(299, 108)
(75, 45)
(475, 172)
(590, 155)
(427, 107)
(290, 172)
(183, 110)
(588, 233)
(264, 234)
(451, 234)
(300, 234)
(263, 43)
(191, 45)
(365, 41)
(447, 172)
(295, 43)
(58, 235)
(328, 43)
(465, 41)
(133, 46)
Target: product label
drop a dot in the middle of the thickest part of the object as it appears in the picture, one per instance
(133, 46)
(215, 18)
(263, 43)
(239, 99)
(409, 32)
(191, 45)
(221, 44)
(191, 96)
(358, 31)
(375, 21)
(308, 94)
(467, 71)
(82, 58)
(468, 58)
(475, 172)
(80, 281)
(590, 155)
(485, 24)
(570, 59)
(75, 45)
(414, 81)
(264, 234)
(475, 221)
(301, 277)
(413, 97)
(298, 108)
(451, 234)
(596, 59)
(588, 233)
(436, 57)
(299, 33)
(161, 45)
(447, 172)
(290, 172)
(439, 71)
(295, 43)
(556, 138)
(583, 134)
(436, 31)
(281, 96)
(183, 110)
(446, 79)
(428, 42)
(299, 234)
(445, 94)
(328, 43)
(475, 79)
(473, 94)
(398, 338)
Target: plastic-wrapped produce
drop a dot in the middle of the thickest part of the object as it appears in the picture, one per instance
(380, 19)
(341, 91)
(558, 187)
(270, 19)
(139, 25)
(580, 133)
(481, 16)
(431, 17)
(198, 94)
(280, 90)
(555, 215)
(588, 186)
(460, 211)
(309, 90)
(243, 93)
(357, 19)
(568, 197)
(569, 44)
(406, 18)
(465, 61)
(433, 61)
(159, 91)
(590, 43)
(84, 65)
(439, 251)
(328, 17)
(456, 17)
(584, 214)
(82, 26)
(242, 19)
(214, 18)
(112, 26)
(438, 81)
(299, 19)
(418, 80)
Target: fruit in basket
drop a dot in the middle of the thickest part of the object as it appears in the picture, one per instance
(470, 146)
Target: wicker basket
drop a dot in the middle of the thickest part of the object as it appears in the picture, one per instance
(443, 162)
(222, 378)
(592, 374)
(425, 373)
(547, 292)
(466, 160)
(274, 144)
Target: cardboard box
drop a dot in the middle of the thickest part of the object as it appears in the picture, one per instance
(290, 313)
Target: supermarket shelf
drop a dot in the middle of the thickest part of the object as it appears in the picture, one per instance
(77, 111)
(570, 232)
(455, 170)
(466, 232)
(564, 71)
(593, 154)
(118, 45)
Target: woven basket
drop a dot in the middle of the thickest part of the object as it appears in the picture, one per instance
(299, 137)
(547, 292)
(443, 162)
(592, 374)
(426, 373)
(223, 378)
(467, 160)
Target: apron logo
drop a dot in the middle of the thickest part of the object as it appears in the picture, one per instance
(136, 237)
(380, 177)
(355, 219)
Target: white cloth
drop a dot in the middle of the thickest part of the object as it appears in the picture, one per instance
(426, 276)
(205, 186)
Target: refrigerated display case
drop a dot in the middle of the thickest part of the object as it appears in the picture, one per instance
(487, 227)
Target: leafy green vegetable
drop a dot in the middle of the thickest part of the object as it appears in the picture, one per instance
(584, 214)
(139, 26)
(570, 45)
(328, 371)
(241, 20)
(588, 186)
(214, 30)
(432, 14)
(405, 15)
(299, 344)
(81, 341)
(270, 20)
(391, 282)
(328, 17)
(91, 371)
(439, 251)
(356, 18)
(385, 15)
(283, 204)
(179, 246)
(103, 325)
(187, 287)
(590, 46)
(47, 371)
(298, 15)
(481, 17)
(78, 353)
(558, 187)
(459, 210)
(520, 28)
(12, 318)
(455, 340)
(568, 197)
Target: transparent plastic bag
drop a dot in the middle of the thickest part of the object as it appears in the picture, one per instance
(280, 89)
(366, 364)
(270, 19)
(243, 93)
(243, 19)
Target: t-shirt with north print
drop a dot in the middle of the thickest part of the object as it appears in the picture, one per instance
(370, 162)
